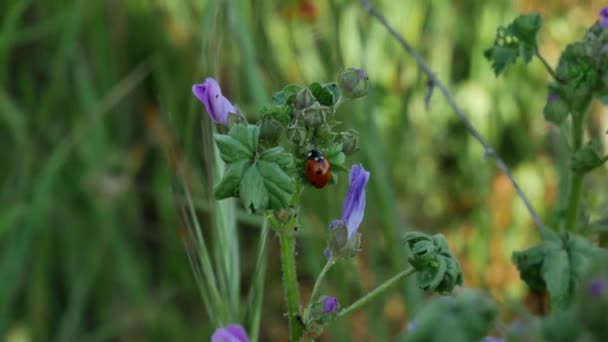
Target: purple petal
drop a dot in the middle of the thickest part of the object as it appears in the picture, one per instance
(327, 253)
(492, 339)
(354, 202)
(596, 287)
(411, 325)
(604, 17)
(230, 333)
(210, 94)
(330, 305)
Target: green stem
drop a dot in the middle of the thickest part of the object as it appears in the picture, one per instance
(547, 66)
(317, 285)
(375, 292)
(290, 283)
(576, 179)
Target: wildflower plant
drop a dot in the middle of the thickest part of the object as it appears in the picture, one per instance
(266, 169)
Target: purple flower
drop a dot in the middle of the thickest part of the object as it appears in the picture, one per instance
(553, 97)
(492, 339)
(354, 202)
(411, 325)
(230, 333)
(330, 305)
(604, 17)
(596, 287)
(210, 94)
(327, 253)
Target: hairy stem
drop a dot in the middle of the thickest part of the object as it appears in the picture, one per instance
(489, 151)
(381, 289)
(576, 179)
(318, 282)
(290, 283)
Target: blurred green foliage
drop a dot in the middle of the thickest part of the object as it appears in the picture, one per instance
(96, 113)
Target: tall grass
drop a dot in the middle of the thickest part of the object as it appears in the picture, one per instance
(96, 113)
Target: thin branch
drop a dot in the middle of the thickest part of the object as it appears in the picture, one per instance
(547, 66)
(489, 151)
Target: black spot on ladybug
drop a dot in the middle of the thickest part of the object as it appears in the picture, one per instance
(308, 168)
(318, 172)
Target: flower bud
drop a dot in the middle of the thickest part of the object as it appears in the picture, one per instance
(353, 83)
(297, 135)
(340, 245)
(315, 115)
(304, 99)
(556, 109)
(587, 158)
(350, 141)
(270, 131)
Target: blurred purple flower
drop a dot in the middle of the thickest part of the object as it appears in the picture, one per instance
(596, 287)
(230, 333)
(492, 339)
(604, 17)
(354, 202)
(411, 326)
(327, 253)
(553, 97)
(330, 305)
(210, 94)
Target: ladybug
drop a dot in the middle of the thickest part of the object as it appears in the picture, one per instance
(318, 170)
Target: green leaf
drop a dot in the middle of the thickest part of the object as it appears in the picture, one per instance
(556, 273)
(229, 185)
(281, 113)
(334, 89)
(279, 156)
(285, 96)
(516, 40)
(557, 264)
(323, 95)
(265, 185)
(279, 185)
(529, 263)
(240, 143)
(253, 193)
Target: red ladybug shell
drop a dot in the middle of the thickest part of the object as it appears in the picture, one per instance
(318, 170)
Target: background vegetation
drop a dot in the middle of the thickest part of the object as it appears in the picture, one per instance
(96, 112)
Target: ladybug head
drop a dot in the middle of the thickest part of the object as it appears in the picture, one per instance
(314, 155)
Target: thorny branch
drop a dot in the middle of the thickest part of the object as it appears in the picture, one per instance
(489, 151)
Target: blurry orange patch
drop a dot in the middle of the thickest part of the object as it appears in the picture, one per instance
(305, 9)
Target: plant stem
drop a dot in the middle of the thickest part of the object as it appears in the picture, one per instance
(290, 282)
(489, 151)
(547, 66)
(320, 278)
(375, 292)
(317, 285)
(576, 179)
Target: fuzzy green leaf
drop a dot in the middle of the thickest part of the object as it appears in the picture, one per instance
(229, 185)
(516, 40)
(240, 143)
(323, 95)
(285, 96)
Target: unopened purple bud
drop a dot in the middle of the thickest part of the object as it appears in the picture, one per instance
(230, 333)
(327, 253)
(596, 287)
(330, 305)
(604, 17)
